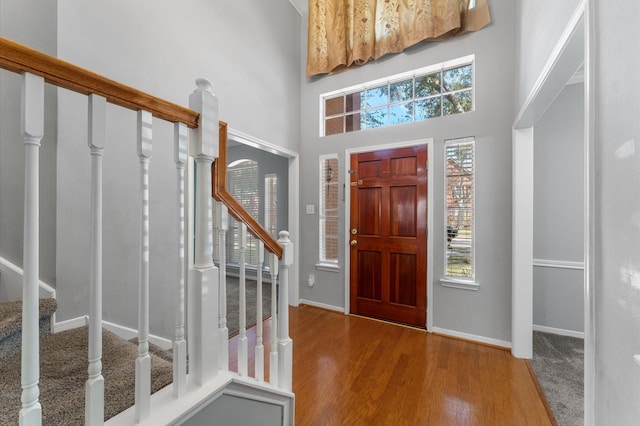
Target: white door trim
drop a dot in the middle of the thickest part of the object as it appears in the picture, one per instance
(347, 214)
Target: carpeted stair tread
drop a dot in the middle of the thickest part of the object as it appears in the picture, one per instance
(11, 325)
(63, 374)
(11, 315)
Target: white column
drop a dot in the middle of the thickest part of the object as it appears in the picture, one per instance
(259, 350)
(223, 226)
(143, 362)
(285, 344)
(204, 289)
(273, 355)
(94, 390)
(522, 245)
(179, 343)
(242, 311)
(32, 124)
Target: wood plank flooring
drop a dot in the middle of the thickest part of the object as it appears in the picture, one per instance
(349, 370)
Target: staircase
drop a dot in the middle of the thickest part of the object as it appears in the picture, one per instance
(196, 395)
(64, 369)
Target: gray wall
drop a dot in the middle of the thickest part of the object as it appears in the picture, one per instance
(27, 22)
(161, 49)
(558, 215)
(540, 24)
(617, 207)
(486, 312)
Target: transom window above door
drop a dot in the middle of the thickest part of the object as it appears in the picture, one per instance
(434, 91)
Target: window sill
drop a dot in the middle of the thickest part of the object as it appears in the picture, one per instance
(459, 284)
(328, 267)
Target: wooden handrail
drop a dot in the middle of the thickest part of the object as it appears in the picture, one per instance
(19, 58)
(220, 193)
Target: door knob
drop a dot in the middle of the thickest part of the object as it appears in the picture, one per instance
(354, 242)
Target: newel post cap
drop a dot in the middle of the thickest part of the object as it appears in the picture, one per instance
(287, 248)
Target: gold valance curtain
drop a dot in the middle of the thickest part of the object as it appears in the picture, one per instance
(344, 32)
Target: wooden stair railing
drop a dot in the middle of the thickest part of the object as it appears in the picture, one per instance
(220, 193)
(202, 116)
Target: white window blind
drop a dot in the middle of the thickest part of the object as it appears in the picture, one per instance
(328, 210)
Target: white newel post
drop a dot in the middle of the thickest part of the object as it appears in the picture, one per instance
(179, 344)
(273, 355)
(222, 214)
(204, 290)
(32, 125)
(94, 390)
(143, 362)
(285, 344)
(259, 350)
(243, 362)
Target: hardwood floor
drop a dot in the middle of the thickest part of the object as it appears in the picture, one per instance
(349, 370)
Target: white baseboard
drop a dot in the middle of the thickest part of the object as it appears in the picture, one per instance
(559, 331)
(70, 324)
(121, 331)
(128, 333)
(472, 337)
(321, 305)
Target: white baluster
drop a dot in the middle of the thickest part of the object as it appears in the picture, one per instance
(143, 362)
(259, 357)
(273, 356)
(32, 124)
(285, 344)
(94, 390)
(223, 226)
(243, 350)
(179, 344)
(204, 333)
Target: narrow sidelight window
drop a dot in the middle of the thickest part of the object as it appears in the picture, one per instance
(328, 210)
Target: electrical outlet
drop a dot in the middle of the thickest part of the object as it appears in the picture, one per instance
(312, 280)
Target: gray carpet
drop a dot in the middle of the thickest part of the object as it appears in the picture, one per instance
(558, 362)
(233, 301)
(63, 373)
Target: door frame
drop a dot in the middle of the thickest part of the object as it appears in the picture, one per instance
(347, 214)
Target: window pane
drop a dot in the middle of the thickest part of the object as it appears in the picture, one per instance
(401, 91)
(459, 180)
(457, 78)
(428, 85)
(377, 96)
(333, 106)
(354, 122)
(428, 108)
(455, 103)
(376, 117)
(402, 113)
(354, 101)
(242, 183)
(334, 126)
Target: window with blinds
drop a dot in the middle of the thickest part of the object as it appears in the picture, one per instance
(271, 204)
(242, 183)
(328, 210)
(459, 208)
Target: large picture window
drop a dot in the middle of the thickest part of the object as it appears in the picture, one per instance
(459, 208)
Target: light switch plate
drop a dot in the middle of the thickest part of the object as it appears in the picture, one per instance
(311, 209)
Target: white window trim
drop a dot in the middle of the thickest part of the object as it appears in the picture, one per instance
(454, 281)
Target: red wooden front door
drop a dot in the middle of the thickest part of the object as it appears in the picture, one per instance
(388, 234)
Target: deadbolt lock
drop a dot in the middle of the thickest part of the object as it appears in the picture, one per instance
(354, 231)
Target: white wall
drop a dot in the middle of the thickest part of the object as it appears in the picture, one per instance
(27, 22)
(617, 208)
(486, 312)
(558, 225)
(250, 50)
